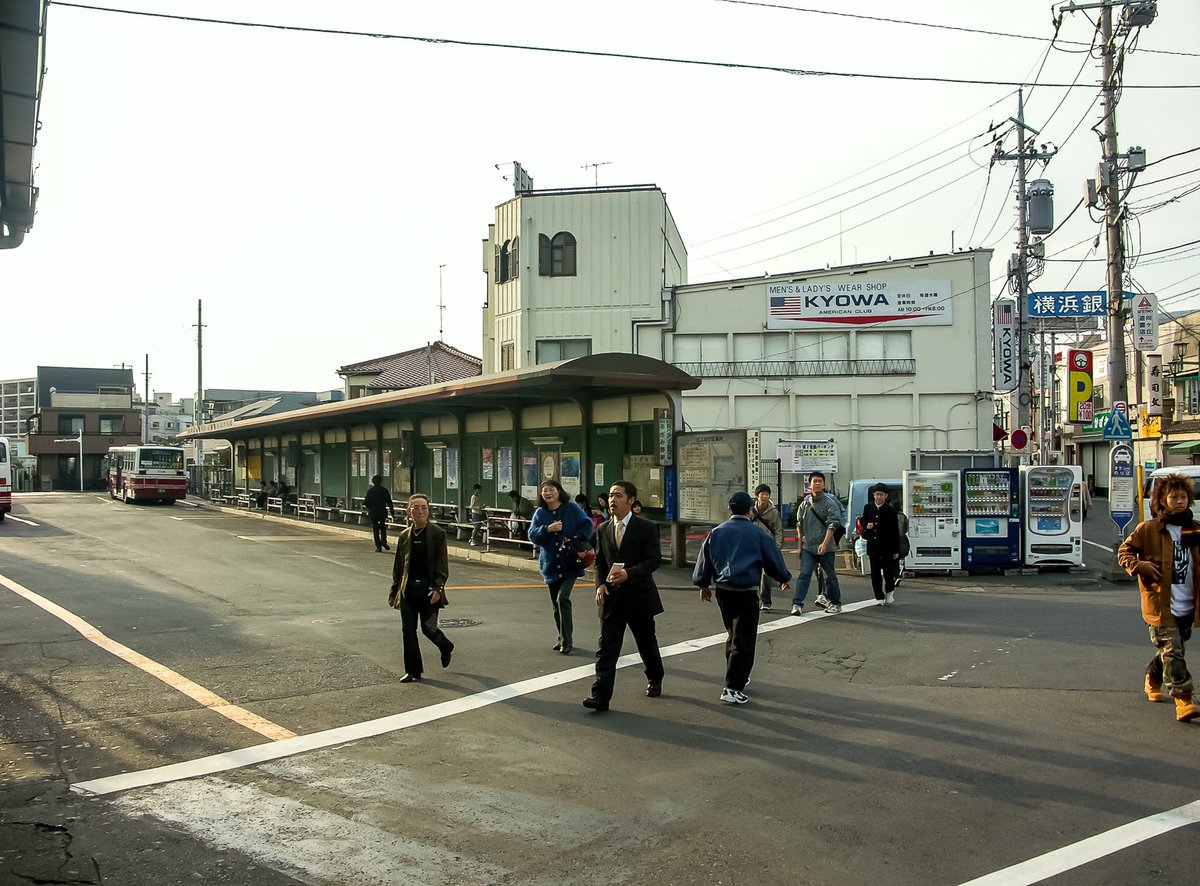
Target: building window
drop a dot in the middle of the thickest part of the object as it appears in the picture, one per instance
(507, 357)
(508, 260)
(563, 349)
(70, 424)
(556, 255)
(112, 424)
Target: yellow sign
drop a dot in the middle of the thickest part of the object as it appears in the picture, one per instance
(1079, 387)
(1151, 425)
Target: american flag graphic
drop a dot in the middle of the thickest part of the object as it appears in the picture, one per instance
(787, 307)
(1004, 312)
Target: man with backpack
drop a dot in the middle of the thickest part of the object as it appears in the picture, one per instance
(820, 525)
(765, 514)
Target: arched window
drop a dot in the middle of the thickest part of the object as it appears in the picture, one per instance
(556, 255)
(508, 261)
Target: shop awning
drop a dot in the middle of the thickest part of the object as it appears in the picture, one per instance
(1186, 446)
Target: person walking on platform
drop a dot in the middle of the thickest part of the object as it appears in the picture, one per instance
(419, 575)
(378, 505)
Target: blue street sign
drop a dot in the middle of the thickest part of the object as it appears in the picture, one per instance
(1076, 303)
(1121, 496)
(1117, 427)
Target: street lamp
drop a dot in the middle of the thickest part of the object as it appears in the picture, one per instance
(78, 438)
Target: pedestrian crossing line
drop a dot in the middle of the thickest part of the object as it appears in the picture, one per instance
(176, 681)
(1084, 851)
(300, 744)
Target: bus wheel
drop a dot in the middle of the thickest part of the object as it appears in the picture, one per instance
(2, 513)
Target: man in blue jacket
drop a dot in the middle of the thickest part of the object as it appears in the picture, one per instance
(733, 559)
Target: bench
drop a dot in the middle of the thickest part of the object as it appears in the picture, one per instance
(445, 514)
(502, 526)
(306, 506)
(275, 503)
(216, 495)
(244, 500)
(354, 513)
(326, 508)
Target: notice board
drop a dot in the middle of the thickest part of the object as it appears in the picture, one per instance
(711, 467)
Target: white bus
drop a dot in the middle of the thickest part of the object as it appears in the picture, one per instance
(6, 477)
(146, 473)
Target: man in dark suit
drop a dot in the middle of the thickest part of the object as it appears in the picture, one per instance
(627, 553)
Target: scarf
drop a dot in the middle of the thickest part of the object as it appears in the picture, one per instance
(1189, 536)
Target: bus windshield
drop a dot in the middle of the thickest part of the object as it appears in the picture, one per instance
(165, 459)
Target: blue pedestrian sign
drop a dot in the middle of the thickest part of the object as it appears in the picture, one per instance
(1121, 498)
(1117, 426)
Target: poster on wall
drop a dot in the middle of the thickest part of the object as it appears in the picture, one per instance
(487, 464)
(549, 463)
(504, 472)
(317, 469)
(529, 476)
(354, 463)
(451, 468)
(437, 464)
(373, 464)
(387, 462)
(598, 474)
(847, 303)
(569, 468)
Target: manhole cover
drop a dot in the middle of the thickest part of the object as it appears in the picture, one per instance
(458, 622)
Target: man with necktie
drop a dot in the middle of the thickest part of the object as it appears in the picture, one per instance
(627, 553)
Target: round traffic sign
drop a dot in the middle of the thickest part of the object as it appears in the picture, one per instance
(1019, 438)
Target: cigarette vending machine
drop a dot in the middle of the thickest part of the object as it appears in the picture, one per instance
(934, 520)
(1052, 506)
(991, 519)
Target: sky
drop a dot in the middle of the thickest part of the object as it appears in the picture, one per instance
(320, 192)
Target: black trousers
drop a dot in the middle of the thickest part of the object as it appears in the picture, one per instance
(612, 636)
(379, 530)
(883, 574)
(739, 611)
(415, 607)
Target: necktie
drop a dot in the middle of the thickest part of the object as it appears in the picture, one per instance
(620, 532)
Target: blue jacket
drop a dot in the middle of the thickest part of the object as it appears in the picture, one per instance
(735, 555)
(575, 523)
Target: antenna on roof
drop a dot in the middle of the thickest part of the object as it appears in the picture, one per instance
(441, 307)
(595, 167)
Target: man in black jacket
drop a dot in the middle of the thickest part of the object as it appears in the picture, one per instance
(627, 553)
(881, 529)
(378, 504)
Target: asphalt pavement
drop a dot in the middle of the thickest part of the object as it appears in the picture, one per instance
(225, 708)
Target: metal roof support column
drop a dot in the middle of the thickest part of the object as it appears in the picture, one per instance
(678, 546)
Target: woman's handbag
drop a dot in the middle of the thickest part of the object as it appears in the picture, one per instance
(576, 553)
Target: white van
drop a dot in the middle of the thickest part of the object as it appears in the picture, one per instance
(1192, 472)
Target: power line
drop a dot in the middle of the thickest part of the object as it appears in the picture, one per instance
(901, 21)
(591, 53)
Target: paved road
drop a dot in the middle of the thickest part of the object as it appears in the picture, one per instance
(981, 723)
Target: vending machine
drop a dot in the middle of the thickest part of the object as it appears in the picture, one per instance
(934, 520)
(991, 519)
(1052, 506)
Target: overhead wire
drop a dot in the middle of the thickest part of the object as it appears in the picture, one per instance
(588, 53)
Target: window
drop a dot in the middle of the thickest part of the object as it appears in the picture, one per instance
(112, 424)
(508, 261)
(563, 349)
(507, 356)
(556, 255)
(70, 424)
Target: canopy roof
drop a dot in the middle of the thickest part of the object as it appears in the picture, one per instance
(581, 379)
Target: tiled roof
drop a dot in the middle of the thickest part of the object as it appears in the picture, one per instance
(410, 369)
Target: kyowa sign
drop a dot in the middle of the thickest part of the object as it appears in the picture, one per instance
(1004, 344)
(851, 302)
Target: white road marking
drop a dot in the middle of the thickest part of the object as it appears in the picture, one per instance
(175, 680)
(1088, 850)
(298, 538)
(370, 728)
(23, 520)
(1106, 548)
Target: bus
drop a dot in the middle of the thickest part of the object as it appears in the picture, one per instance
(6, 477)
(146, 473)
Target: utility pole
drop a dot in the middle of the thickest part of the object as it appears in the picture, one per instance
(146, 404)
(1019, 263)
(1117, 380)
(198, 405)
(441, 307)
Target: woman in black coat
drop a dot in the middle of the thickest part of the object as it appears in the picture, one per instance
(881, 529)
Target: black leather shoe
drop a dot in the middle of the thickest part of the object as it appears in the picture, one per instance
(446, 657)
(566, 650)
(408, 678)
(595, 704)
(654, 690)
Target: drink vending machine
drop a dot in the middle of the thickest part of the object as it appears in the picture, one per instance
(991, 519)
(1052, 502)
(934, 520)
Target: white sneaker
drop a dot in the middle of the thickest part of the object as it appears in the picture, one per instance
(889, 598)
(833, 609)
(821, 600)
(733, 696)
(797, 610)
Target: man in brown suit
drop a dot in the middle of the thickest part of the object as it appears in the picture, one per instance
(627, 553)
